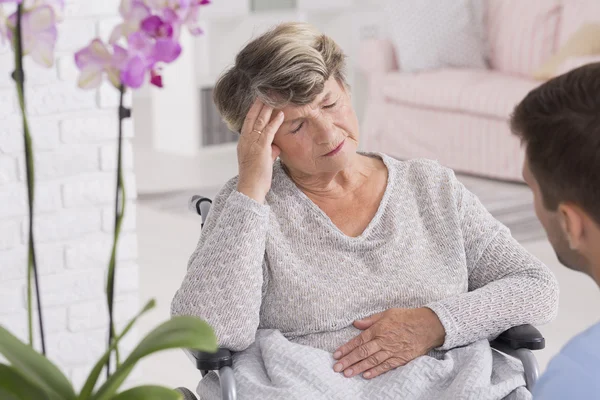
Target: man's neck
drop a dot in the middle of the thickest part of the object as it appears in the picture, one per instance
(595, 271)
(595, 258)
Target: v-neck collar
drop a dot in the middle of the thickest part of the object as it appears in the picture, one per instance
(289, 183)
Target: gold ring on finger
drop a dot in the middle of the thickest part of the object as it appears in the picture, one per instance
(257, 131)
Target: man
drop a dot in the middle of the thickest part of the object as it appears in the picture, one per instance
(559, 124)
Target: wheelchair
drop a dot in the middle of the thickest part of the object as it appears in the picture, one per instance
(518, 342)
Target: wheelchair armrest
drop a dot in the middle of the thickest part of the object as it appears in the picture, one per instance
(522, 337)
(210, 361)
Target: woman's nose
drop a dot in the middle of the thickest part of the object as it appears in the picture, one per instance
(324, 132)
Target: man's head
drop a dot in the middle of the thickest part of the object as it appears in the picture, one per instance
(559, 124)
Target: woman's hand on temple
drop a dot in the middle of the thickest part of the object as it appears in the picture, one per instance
(389, 339)
(256, 151)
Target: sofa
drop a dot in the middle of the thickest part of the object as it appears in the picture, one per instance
(460, 116)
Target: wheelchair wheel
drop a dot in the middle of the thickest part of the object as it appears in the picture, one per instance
(187, 394)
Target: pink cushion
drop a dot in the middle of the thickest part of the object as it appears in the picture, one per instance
(480, 92)
(522, 33)
(465, 143)
(572, 63)
(575, 14)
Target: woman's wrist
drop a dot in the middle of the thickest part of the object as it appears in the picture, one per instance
(437, 332)
(252, 193)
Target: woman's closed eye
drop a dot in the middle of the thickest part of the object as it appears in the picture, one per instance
(298, 128)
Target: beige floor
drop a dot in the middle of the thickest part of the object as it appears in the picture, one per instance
(166, 240)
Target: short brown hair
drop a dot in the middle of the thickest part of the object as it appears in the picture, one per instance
(288, 64)
(559, 123)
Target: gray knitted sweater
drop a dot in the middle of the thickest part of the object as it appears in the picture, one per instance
(281, 279)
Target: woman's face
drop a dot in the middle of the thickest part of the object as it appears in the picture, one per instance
(320, 137)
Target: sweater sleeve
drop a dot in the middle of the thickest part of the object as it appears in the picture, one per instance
(224, 280)
(507, 286)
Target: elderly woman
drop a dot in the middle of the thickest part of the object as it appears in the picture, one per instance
(336, 274)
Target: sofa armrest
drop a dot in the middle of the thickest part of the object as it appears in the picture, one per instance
(522, 337)
(210, 361)
(377, 56)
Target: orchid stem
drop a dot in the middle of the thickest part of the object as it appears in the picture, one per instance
(119, 213)
(19, 77)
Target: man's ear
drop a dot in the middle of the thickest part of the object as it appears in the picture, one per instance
(571, 219)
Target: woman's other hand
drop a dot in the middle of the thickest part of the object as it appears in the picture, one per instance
(256, 151)
(389, 339)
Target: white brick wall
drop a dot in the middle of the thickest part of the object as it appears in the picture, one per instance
(74, 135)
(8, 168)
(97, 188)
(13, 198)
(7, 99)
(90, 253)
(63, 162)
(44, 132)
(13, 260)
(10, 234)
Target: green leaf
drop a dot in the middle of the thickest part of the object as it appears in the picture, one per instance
(90, 383)
(5, 395)
(178, 333)
(15, 386)
(149, 393)
(124, 371)
(35, 367)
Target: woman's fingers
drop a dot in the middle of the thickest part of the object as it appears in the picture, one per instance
(260, 123)
(366, 323)
(402, 334)
(251, 116)
(358, 354)
(358, 341)
(271, 129)
(383, 367)
(263, 118)
(367, 364)
(256, 151)
(258, 119)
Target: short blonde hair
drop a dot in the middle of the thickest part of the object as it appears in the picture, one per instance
(288, 64)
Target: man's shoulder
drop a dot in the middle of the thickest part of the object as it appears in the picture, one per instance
(585, 347)
(575, 370)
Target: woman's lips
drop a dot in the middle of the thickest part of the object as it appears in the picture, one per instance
(336, 150)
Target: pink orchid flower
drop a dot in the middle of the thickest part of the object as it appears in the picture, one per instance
(38, 27)
(3, 27)
(151, 29)
(191, 20)
(140, 59)
(156, 78)
(180, 13)
(133, 13)
(58, 5)
(165, 48)
(156, 27)
(172, 4)
(95, 60)
(153, 44)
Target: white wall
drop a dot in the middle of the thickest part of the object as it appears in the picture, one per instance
(74, 135)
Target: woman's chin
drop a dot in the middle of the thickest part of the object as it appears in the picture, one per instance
(340, 160)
